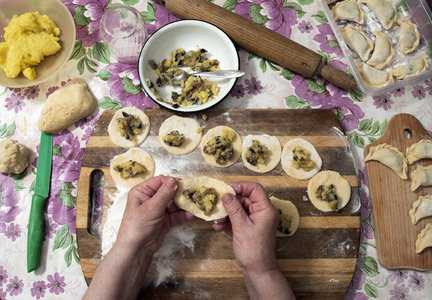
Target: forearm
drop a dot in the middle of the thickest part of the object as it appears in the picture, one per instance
(120, 275)
(268, 285)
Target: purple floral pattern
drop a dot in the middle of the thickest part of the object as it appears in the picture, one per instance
(50, 228)
(399, 292)
(3, 276)
(39, 289)
(419, 92)
(15, 286)
(253, 86)
(327, 40)
(305, 26)
(31, 92)
(56, 284)
(15, 102)
(383, 101)
(9, 198)
(397, 275)
(13, 232)
(416, 282)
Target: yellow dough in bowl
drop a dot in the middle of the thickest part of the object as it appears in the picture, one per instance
(28, 39)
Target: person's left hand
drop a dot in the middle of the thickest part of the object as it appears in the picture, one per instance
(150, 213)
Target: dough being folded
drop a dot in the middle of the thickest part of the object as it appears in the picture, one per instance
(66, 106)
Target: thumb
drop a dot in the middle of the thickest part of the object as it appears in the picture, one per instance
(235, 210)
(164, 194)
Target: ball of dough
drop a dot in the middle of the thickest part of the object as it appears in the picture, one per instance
(13, 157)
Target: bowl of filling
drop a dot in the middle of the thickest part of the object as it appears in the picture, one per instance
(192, 46)
(36, 39)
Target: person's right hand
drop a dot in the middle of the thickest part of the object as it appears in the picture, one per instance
(253, 220)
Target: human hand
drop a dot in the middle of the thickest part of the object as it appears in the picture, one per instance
(253, 220)
(150, 213)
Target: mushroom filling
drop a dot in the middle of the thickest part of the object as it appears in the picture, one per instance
(220, 147)
(129, 126)
(284, 222)
(204, 198)
(256, 153)
(328, 194)
(302, 159)
(130, 169)
(174, 138)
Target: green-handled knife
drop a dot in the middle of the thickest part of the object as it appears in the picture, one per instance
(36, 222)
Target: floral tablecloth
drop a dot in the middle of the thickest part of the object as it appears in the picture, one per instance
(116, 85)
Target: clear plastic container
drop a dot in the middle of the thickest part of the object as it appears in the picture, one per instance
(415, 10)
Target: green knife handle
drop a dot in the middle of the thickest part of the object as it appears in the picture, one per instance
(35, 232)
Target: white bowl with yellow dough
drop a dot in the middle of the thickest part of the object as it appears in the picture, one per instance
(273, 152)
(60, 14)
(343, 189)
(192, 184)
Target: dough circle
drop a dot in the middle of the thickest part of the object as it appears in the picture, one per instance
(221, 188)
(287, 208)
(185, 126)
(236, 143)
(115, 135)
(343, 189)
(136, 154)
(273, 154)
(287, 158)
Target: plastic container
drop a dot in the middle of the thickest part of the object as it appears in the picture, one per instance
(415, 10)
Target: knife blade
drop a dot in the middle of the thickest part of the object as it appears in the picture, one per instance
(260, 40)
(36, 220)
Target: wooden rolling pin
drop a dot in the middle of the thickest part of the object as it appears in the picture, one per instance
(261, 40)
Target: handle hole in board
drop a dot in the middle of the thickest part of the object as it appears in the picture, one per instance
(407, 133)
(95, 202)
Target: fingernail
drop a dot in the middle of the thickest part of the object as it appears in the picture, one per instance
(227, 198)
(171, 182)
(236, 187)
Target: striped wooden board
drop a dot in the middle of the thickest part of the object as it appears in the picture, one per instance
(318, 260)
(392, 199)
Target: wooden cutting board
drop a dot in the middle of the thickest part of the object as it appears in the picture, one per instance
(318, 260)
(392, 199)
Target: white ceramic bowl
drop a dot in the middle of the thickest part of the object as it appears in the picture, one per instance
(51, 64)
(189, 35)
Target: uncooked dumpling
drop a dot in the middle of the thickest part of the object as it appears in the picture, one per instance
(424, 239)
(419, 150)
(289, 217)
(375, 77)
(13, 157)
(412, 68)
(383, 52)
(422, 176)
(409, 38)
(391, 157)
(421, 208)
(348, 11)
(384, 10)
(358, 41)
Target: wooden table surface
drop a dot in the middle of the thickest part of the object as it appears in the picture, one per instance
(318, 260)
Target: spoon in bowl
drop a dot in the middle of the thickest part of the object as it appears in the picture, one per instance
(180, 75)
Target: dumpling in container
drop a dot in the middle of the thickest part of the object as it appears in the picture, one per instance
(348, 11)
(424, 239)
(409, 37)
(419, 150)
(375, 77)
(391, 157)
(422, 176)
(358, 41)
(412, 68)
(384, 10)
(421, 208)
(383, 52)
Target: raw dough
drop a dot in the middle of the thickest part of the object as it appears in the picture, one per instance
(287, 208)
(384, 10)
(358, 41)
(391, 157)
(287, 158)
(115, 135)
(412, 68)
(348, 11)
(424, 239)
(136, 154)
(66, 106)
(343, 189)
(419, 150)
(422, 176)
(409, 37)
(236, 143)
(383, 52)
(421, 208)
(221, 188)
(185, 126)
(273, 152)
(375, 77)
(13, 157)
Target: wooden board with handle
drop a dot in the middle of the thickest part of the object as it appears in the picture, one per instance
(392, 199)
(318, 260)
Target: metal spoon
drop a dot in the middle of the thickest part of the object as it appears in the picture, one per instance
(176, 80)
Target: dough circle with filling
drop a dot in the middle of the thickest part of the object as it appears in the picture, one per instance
(287, 208)
(273, 152)
(139, 155)
(236, 144)
(115, 135)
(185, 126)
(287, 159)
(343, 189)
(221, 188)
